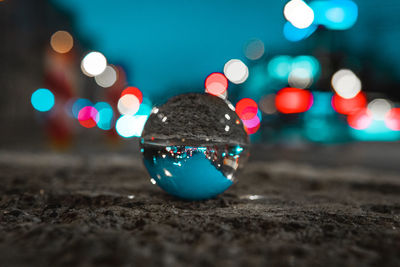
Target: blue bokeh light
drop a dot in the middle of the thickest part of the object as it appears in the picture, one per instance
(279, 67)
(78, 105)
(335, 14)
(294, 34)
(104, 115)
(42, 99)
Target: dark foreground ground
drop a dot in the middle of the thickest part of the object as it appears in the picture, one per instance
(101, 210)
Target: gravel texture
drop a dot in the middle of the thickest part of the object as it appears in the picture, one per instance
(101, 210)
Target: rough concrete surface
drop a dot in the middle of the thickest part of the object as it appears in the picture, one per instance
(101, 210)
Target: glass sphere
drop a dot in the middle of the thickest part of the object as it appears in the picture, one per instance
(193, 145)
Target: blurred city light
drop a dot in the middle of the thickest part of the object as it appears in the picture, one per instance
(377, 130)
(299, 14)
(379, 108)
(93, 64)
(42, 99)
(300, 78)
(130, 126)
(78, 105)
(87, 117)
(279, 67)
(350, 105)
(236, 71)
(293, 100)
(104, 115)
(294, 34)
(335, 14)
(133, 91)
(246, 108)
(346, 83)
(61, 42)
(392, 119)
(216, 84)
(128, 104)
(360, 119)
(308, 63)
(107, 78)
(254, 49)
(267, 104)
(145, 107)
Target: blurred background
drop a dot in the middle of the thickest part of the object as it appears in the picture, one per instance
(310, 76)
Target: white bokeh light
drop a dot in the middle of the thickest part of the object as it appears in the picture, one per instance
(130, 126)
(379, 108)
(128, 104)
(93, 64)
(107, 78)
(298, 13)
(236, 71)
(346, 83)
(300, 78)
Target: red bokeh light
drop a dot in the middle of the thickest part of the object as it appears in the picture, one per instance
(133, 91)
(216, 84)
(87, 117)
(392, 119)
(252, 130)
(246, 108)
(252, 123)
(346, 106)
(360, 120)
(293, 100)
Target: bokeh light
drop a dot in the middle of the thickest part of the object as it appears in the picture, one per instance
(254, 49)
(293, 100)
(104, 115)
(360, 119)
(379, 108)
(145, 107)
(309, 63)
(236, 71)
(93, 64)
(78, 105)
(348, 106)
(298, 13)
(267, 104)
(128, 104)
(107, 78)
(87, 117)
(130, 126)
(42, 99)
(392, 119)
(246, 108)
(279, 67)
(216, 84)
(61, 42)
(294, 34)
(346, 83)
(335, 14)
(300, 78)
(133, 91)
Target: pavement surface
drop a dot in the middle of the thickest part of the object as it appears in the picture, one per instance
(100, 209)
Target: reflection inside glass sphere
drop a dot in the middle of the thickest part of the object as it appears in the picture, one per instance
(193, 172)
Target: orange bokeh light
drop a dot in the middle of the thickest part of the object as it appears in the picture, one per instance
(61, 42)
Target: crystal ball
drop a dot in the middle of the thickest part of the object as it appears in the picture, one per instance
(193, 146)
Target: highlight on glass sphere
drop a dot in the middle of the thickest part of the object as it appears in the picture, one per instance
(193, 145)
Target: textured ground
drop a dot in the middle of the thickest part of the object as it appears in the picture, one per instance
(101, 210)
